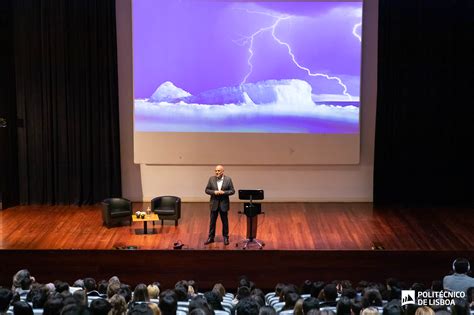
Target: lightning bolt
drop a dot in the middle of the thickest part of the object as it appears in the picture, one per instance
(354, 29)
(250, 40)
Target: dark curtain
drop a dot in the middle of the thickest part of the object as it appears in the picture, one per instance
(8, 128)
(67, 98)
(425, 122)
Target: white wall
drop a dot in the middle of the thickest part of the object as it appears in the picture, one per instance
(281, 183)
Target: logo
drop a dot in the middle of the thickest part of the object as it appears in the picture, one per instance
(408, 297)
(431, 298)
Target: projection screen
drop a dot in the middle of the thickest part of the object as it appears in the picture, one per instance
(242, 82)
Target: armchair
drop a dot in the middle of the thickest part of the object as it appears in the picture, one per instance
(116, 210)
(167, 208)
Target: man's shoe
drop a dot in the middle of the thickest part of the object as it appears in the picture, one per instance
(209, 241)
(226, 241)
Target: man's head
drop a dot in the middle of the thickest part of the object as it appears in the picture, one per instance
(219, 171)
(461, 265)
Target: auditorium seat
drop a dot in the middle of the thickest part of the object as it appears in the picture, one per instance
(227, 306)
(278, 306)
(167, 208)
(116, 211)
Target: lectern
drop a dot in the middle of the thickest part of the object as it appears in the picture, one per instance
(251, 211)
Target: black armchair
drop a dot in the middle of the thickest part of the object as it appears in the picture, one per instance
(167, 208)
(116, 210)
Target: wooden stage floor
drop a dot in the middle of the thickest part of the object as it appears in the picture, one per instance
(284, 226)
(317, 241)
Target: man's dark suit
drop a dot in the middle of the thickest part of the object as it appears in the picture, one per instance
(219, 204)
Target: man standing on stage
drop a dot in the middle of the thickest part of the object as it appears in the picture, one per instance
(219, 187)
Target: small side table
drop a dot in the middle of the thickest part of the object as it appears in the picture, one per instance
(150, 218)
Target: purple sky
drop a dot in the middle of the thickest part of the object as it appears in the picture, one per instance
(195, 44)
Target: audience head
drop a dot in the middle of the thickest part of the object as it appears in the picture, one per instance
(392, 282)
(424, 310)
(437, 285)
(80, 297)
(6, 297)
(102, 286)
(219, 288)
(310, 303)
(245, 282)
(153, 291)
(61, 286)
(242, 293)
(356, 307)
(50, 287)
(298, 309)
(198, 311)
(344, 306)
(267, 310)
(306, 287)
(199, 302)
(38, 296)
(278, 288)
(168, 302)
(53, 305)
(118, 304)
(79, 283)
(181, 292)
(290, 300)
(74, 309)
(370, 311)
(100, 307)
(257, 298)
(258, 292)
(460, 307)
(289, 288)
(114, 279)
(361, 286)
(247, 306)
(461, 265)
(126, 292)
(22, 280)
(22, 308)
(329, 292)
(349, 292)
(214, 300)
(192, 288)
(112, 288)
(317, 288)
(372, 297)
(139, 309)
(140, 294)
(410, 309)
(89, 284)
(418, 287)
(392, 308)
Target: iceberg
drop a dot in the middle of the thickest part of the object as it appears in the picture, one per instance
(167, 92)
